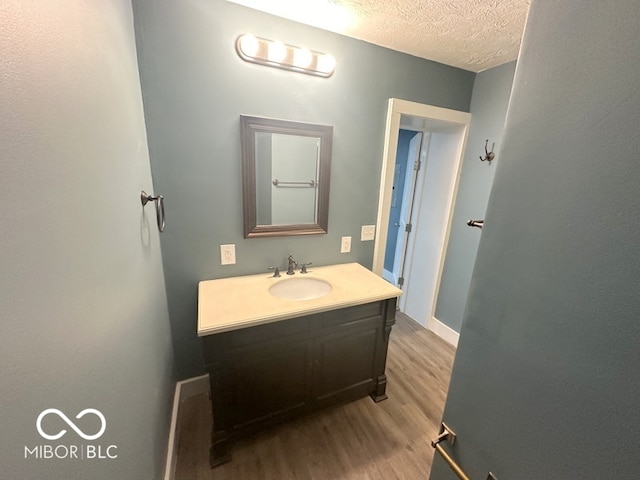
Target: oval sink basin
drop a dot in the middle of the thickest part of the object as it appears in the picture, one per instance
(300, 288)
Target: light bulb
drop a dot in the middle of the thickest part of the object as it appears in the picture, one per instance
(249, 45)
(326, 64)
(302, 57)
(277, 52)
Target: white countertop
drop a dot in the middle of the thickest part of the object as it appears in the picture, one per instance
(227, 304)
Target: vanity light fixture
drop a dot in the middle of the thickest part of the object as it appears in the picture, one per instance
(277, 54)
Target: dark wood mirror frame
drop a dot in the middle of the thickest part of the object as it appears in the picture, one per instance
(249, 126)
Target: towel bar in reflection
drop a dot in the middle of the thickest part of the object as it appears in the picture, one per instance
(310, 183)
(159, 200)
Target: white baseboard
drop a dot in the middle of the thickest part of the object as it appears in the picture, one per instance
(184, 389)
(445, 332)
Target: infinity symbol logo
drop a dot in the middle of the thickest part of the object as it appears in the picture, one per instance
(71, 424)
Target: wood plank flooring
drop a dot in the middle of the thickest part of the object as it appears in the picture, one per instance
(361, 440)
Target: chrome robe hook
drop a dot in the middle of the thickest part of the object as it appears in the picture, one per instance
(488, 156)
(476, 223)
(159, 200)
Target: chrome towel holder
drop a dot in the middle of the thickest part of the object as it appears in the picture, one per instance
(159, 200)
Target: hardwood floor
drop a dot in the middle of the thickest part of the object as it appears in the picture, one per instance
(360, 440)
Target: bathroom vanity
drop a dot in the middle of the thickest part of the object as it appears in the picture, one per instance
(276, 348)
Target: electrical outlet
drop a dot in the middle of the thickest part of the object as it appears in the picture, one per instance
(345, 245)
(227, 254)
(368, 233)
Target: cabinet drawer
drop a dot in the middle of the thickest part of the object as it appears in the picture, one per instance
(216, 344)
(268, 332)
(371, 313)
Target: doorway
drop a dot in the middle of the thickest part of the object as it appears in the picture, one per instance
(424, 209)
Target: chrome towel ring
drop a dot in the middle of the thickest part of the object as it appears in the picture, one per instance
(145, 198)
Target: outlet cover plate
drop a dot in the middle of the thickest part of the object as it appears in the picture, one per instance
(345, 245)
(368, 233)
(228, 254)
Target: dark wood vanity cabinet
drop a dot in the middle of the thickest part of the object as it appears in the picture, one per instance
(265, 374)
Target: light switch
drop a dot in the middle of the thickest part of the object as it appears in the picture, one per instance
(368, 233)
(345, 245)
(227, 254)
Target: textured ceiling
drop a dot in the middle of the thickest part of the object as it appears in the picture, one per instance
(471, 34)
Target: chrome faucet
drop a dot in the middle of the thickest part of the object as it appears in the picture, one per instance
(291, 266)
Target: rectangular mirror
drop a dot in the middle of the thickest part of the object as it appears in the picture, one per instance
(286, 167)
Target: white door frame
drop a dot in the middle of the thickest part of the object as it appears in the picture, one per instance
(437, 116)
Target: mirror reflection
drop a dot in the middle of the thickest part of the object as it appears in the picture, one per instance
(286, 178)
(286, 171)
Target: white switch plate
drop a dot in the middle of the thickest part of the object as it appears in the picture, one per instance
(227, 254)
(368, 233)
(345, 245)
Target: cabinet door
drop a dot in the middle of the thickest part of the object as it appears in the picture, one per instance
(344, 364)
(267, 382)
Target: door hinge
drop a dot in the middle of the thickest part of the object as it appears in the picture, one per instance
(407, 228)
(416, 165)
(400, 281)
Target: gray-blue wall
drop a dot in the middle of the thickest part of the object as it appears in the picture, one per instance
(195, 87)
(83, 312)
(491, 91)
(546, 379)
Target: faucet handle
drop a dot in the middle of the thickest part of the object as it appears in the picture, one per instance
(276, 270)
(303, 269)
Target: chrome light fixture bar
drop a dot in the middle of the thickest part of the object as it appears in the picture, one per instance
(276, 54)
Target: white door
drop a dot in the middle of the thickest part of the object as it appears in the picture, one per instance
(431, 218)
(406, 209)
